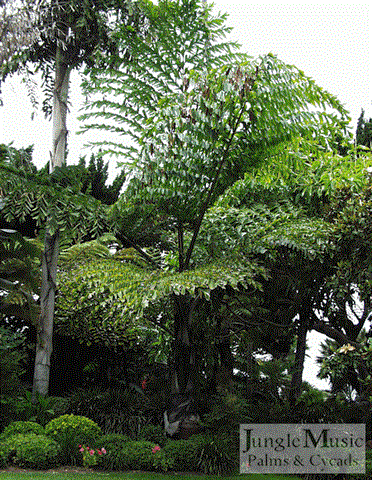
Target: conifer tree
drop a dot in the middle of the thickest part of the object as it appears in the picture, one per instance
(363, 132)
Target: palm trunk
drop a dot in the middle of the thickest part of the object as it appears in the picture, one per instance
(44, 342)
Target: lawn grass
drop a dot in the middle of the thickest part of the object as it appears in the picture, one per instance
(91, 475)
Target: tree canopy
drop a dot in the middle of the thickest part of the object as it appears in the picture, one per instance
(245, 211)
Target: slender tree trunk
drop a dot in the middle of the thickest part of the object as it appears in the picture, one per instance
(44, 343)
(296, 381)
(45, 324)
(60, 95)
(184, 354)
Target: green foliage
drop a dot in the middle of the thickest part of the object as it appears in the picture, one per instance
(161, 62)
(17, 159)
(264, 229)
(348, 367)
(36, 408)
(353, 235)
(12, 358)
(108, 301)
(77, 216)
(137, 455)
(220, 455)
(23, 427)
(70, 431)
(304, 177)
(12, 366)
(114, 410)
(19, 275)
(49, 201)
(3, 463)
(185, 454)
(113, 443)
(364, 131)
(30, 450)
(154, 434)
(95, 178)
(199, 123)
(87, 251)
(78, 29)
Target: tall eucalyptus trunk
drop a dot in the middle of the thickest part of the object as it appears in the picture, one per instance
(44, 342)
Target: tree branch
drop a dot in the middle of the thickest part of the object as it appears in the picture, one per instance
(143, 254)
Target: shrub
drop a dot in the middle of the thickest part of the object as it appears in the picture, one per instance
(137, 455)
(113, 443)
(7, 410)
(70, 431)
(114, 410)
(30, 450)
(220, 455)
(91, 456)
(162, 460)
(12, 361)
(153, 433)
(185, 454)
(2, 460)
(22, 427)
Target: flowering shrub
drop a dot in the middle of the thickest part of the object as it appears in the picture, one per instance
(161, 461)
(90, 455)
(113, 442)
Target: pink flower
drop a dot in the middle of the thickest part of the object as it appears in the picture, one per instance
(103, 450)
(156, 449)
(81, 449)
(91, 452)
(99, 452)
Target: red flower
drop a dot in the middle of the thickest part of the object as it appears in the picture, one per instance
(156, 449)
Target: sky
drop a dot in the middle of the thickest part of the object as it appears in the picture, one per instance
(330, 42)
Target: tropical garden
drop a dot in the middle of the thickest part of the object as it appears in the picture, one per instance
(143, 321)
